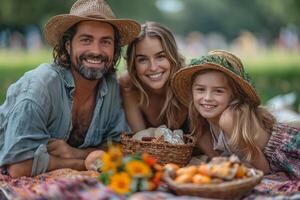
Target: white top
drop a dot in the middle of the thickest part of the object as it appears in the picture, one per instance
(220, 142)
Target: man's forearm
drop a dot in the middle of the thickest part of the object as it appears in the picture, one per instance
(19, 169)
(59, 163)
(83, 153)
(24, 168)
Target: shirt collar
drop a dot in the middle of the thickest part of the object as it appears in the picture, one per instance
(70, 84)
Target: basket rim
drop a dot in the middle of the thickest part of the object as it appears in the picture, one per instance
(125, 136)
(236, 184)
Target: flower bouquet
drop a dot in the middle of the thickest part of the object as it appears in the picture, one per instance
(128, 174)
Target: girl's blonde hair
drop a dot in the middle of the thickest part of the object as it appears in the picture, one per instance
(248, 118)
(171, 107)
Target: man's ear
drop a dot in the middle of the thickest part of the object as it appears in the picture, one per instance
(68, 46)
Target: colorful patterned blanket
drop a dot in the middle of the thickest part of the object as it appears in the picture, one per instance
(71, 184)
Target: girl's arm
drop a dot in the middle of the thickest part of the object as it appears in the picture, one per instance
(260, 162)
(205, 144)
(226, 123)
(133, 113)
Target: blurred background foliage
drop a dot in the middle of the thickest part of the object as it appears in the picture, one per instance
(229, 17)
(264, 33)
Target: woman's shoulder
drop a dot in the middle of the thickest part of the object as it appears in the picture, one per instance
(127, 88)
(125, 81)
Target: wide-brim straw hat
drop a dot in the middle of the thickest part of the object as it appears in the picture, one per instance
(218, 60)
(87, 10)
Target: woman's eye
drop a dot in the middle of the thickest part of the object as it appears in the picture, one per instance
(161, 56)
(141, 60)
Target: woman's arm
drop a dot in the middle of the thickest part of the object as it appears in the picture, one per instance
(133, 113)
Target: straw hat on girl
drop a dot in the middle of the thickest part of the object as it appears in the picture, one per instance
(220, 60)
(90, 10)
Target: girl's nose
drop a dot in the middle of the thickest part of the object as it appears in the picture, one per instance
(208, 96)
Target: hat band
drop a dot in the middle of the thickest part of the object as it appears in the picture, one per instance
(223, 63)
(96, 15)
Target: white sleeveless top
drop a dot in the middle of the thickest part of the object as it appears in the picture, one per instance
(220, 142)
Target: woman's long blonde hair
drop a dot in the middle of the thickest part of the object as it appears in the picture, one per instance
(248, 118)
(171, 107)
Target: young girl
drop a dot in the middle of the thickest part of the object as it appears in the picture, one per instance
(152, 58)
(221, 95)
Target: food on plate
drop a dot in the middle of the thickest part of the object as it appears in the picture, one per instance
(218, 170)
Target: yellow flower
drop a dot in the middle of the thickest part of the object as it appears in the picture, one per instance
(120, 183)
(112, 159)
(138, 168)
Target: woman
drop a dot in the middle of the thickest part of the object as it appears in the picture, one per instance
(152, 59)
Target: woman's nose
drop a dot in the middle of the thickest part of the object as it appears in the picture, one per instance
(153, 65)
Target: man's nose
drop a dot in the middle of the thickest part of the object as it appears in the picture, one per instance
(96, 48)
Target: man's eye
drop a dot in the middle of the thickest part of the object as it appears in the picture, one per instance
(107, 42)
(85, 40)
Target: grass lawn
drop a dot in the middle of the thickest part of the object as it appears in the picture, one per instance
(273, 72)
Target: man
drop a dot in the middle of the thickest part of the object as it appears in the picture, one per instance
(56, 114)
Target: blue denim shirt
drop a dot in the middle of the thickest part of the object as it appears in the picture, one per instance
(39, 107)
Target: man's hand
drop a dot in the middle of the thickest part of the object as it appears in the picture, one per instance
(62, 149)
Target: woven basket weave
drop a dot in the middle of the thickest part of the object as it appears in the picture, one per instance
(226, 190)
(164, 152)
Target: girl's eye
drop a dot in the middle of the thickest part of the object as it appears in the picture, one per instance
(220, 91)
(199, 89)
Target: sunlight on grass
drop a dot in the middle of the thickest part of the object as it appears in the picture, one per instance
(273, 60)
(274, 72)
(24, 59)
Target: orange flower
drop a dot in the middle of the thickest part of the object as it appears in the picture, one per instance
(138, 168)
(120, 183)
(150, 160)
(112, 159)
(156, 179)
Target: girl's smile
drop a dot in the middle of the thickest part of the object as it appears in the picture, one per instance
(211, 94)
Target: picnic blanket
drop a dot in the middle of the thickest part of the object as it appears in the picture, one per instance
(71, 184)
(58, 184)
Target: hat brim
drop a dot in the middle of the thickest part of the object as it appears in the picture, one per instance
(57, 25)
(181, 82)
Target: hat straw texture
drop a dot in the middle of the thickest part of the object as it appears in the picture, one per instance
(219, 60)
(90, 10)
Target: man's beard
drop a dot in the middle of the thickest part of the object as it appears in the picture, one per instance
(90, 73)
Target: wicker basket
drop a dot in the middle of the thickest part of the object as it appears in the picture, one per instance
(226, 190)
(164, 152)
